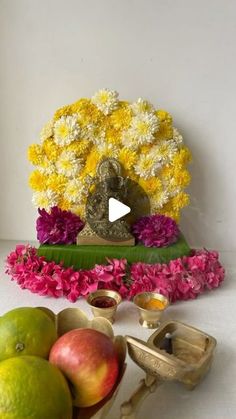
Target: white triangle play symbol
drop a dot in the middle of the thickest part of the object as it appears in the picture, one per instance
(117, 209)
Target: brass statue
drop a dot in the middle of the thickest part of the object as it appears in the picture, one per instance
(98, 229)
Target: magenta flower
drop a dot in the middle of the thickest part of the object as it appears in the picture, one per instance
(58, 226)
(155, 231)
(180, 279)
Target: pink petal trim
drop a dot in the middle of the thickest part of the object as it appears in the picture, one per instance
(180, 279)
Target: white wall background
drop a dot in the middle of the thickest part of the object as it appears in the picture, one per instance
(179, 54)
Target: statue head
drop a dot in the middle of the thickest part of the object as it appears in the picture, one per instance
(108, 168)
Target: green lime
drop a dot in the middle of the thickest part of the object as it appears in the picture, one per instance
(31, 387)
(26, 331)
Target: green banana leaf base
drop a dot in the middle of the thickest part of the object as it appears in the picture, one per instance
(85, 257)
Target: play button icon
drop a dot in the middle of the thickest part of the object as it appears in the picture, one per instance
(117, 209)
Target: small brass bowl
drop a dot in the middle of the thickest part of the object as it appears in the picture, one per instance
(150, 315)
(96, 299)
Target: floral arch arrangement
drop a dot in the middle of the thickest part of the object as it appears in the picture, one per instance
(141, 137)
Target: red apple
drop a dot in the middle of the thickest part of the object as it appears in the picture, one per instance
(89, 360)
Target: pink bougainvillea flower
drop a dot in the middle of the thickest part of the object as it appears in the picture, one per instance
(180, 279)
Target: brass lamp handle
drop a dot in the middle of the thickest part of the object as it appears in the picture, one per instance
(146, 387)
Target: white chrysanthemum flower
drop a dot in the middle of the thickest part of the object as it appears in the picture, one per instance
(172, 191)
(141, 106)
(47, 167)
(98, 138)
(106, 100)
(177, 137)
(107, 150)
(89, 132)
(146, 166)
(68, 164)
(46, 199)
(158, 200)
(66, 130)
(129, 141)
(164, 152)
(74, 191)
(143, 127)
(47, 131)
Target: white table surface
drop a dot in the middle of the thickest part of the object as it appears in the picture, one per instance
(213, 312)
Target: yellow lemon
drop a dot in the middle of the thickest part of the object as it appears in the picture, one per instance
(26, 331)
(31, 387)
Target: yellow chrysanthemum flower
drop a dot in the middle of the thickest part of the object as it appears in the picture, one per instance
(164, 132)
(165, 128)
(180, 201)
(164, 117)
(127, 158)
(182, 158)
(121, 117)
(51, 150)
(91, 163)
(35, 154)
(79, 147)
(145, 149)
(64, 204)
(112, 136)
(166, 172)
(151, 185)
(57, 183)
(181, 178)
(87, 112)
(65, 111)
(37, 181)
(80, 105)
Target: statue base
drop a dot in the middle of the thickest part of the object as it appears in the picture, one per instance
(95, 240)
(88, 237)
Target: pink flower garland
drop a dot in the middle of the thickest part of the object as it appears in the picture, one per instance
(180, 279)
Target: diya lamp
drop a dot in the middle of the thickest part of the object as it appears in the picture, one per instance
(151, 306)
(174, 352)
(104, 303)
